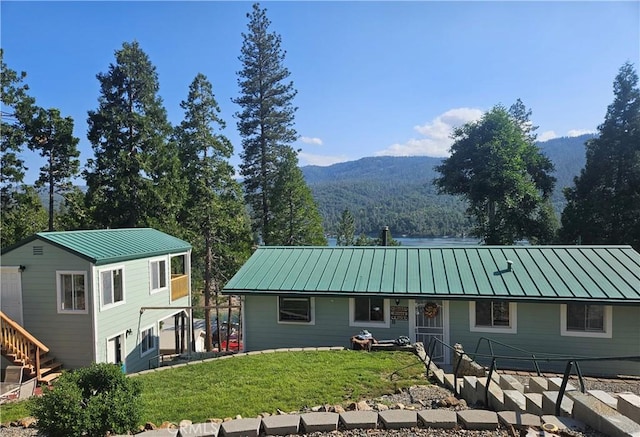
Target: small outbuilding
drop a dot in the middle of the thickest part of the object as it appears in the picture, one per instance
(567, 300)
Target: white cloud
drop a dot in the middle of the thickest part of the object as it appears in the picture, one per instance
(311, 140)
(437, 132)
(320, 160)
(547, 135)
(578, 132)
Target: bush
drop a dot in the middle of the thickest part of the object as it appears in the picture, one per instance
(89, 402)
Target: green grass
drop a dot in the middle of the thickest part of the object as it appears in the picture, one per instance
(250, 385)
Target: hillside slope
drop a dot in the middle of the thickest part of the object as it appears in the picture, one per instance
(398, 191)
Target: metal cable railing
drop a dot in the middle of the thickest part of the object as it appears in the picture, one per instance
(571, 361)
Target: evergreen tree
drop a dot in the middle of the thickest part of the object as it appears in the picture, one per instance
(295, 220)
(132, 178)
(503, 176)
(214, 214)
(346, 235)
(52, 136)
(22, 213)
(603, 206)
(266, 119)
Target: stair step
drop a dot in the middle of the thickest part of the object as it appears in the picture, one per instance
(50, 367)
(47, 379)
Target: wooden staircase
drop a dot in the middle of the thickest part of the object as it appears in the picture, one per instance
(23, 349)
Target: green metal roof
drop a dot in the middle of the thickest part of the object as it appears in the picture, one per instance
(105, 246)
(587, 273)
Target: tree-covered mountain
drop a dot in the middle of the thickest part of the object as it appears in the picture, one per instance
(398, 191)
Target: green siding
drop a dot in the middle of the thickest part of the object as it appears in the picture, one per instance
(118, 319)
(331, 326)
(539, 331)
(68, 336)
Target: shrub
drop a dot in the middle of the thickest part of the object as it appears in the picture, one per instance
(90, 402)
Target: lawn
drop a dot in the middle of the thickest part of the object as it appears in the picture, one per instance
(250, 385)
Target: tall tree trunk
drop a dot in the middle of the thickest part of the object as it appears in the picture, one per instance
(51, 187)
(208, 286)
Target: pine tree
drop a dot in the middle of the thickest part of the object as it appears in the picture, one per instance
(132, 178)
(346, 235)
(22, 213)
(504, 177)
(603, 206)
(266, 119)
(295, 220)
(52, 136)
(214, 214)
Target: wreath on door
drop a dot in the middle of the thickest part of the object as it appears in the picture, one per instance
(431, 309)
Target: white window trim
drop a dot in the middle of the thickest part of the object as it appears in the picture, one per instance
(511, 329)
(608, 324)
(312, 304)
(59, 292)
(383, 324)
(124, 288)
(156, 339)
(167, 279)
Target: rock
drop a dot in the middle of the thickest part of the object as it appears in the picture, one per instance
(363, 406)
(352, 406)
(184, 423)
(442, 403)
(167, 425)
(263, 415)
(28, 422)
(316, 409)
(238, 417)
(338, 409)
(215, 420)
(279, 411)
(452, 401)
(398, 406)
(382, 407)
(227, 419)
(150, 426)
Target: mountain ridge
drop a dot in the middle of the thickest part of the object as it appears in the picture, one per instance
(398, 191)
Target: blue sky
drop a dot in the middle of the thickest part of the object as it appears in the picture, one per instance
(373, 78)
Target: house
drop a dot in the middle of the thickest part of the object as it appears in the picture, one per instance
(92, 296)
(567, 300)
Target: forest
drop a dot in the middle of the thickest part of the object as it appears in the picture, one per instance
(398, 191)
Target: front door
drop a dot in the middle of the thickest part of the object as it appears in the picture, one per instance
(11, 293)
(431, 320)
(115, 349)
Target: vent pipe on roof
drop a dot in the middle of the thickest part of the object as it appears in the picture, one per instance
(509, 264)
(385, 236)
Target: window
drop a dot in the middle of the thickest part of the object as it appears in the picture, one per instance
(585, 320)
(147, 341)
(71, 292)
(493, 316)
(158, 272)
(369, 311)
(112, 286)
(296, 310)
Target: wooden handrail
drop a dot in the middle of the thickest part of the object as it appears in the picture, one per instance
(23, 332)
(17, 340)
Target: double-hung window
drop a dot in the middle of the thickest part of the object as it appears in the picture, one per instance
(158, 275)
(493, 316)
(112, 286)
(585, 320)
(71, 288)
(296, 309)
(369, 311)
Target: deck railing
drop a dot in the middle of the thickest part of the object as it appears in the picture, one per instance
(18, 342)
(179, 286)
